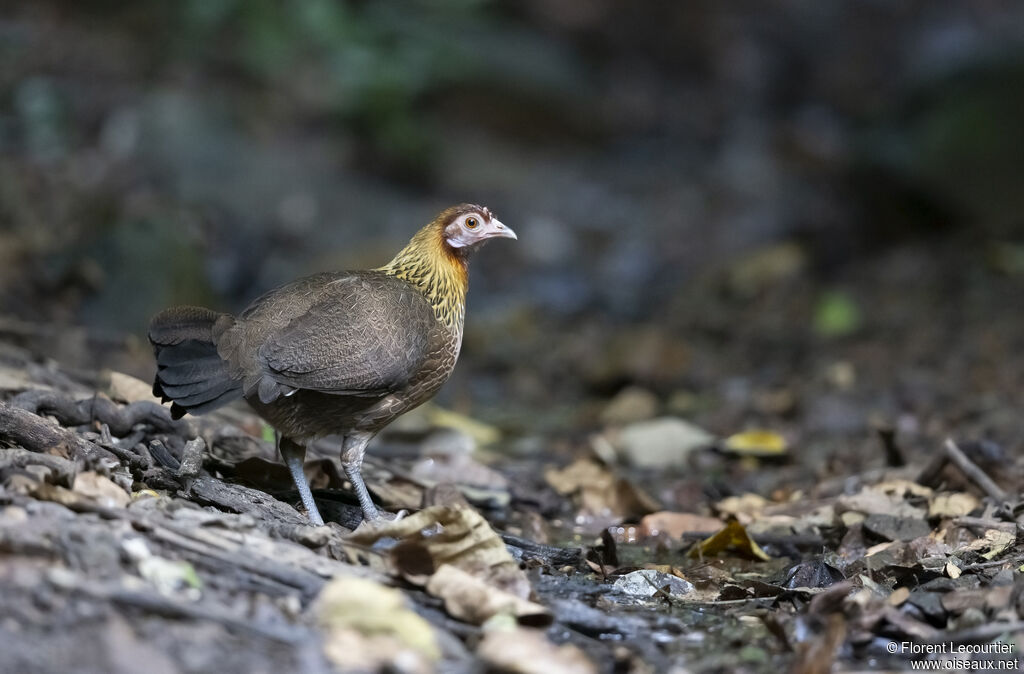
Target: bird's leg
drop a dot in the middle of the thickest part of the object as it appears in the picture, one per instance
(294, 456)
(352, 451)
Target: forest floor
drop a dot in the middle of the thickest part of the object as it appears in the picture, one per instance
(841, 493)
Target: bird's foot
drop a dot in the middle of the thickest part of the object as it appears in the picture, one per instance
(380, 519)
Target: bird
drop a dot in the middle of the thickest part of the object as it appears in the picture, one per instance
(336, 353)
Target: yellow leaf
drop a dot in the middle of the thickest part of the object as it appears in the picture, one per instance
(368, 625)
(733, 537)
(484, 434)
(756, 443)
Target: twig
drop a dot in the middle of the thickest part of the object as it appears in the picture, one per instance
(64, 470)
(191, 462)
(985, 523)
(158, 450)
(1016, 561)
(120, 418)
(25, 429)
(971, 470)
(550, 555)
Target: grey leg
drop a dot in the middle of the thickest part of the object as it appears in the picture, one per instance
(352, 460)
(294, 456)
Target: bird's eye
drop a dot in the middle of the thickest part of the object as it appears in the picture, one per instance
(472, 223)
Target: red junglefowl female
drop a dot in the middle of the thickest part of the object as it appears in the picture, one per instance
(337, 353)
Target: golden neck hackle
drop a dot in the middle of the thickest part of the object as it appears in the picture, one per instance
(439, 272)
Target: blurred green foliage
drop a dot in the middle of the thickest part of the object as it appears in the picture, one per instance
(368, 62)
(367, 66)
(836, 314)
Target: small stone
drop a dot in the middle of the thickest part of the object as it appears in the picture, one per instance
(660, 443)
(647, 583)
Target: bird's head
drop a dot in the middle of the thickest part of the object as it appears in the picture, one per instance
(466, 226)
(436, 258)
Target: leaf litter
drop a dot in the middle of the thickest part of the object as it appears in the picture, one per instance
(784, 578)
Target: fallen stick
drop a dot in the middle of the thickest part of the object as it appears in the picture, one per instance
(973, 472)
(64, 469)
(120, 418)
(22, 428)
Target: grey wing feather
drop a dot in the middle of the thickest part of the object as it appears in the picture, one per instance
(363, 339)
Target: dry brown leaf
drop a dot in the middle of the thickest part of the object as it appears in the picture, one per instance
(126, 388)
(903, 488)
(90, 488)
(599, 492)
(17, 379)
(952, 504)
(991, 544)
(899, 596)
(527, 651)
(464, 539)
(886, 498)
(398, 493)
(880, 547)
(101, 490)
(732, 538)
(744, 507)
(369, 627)
(674, 525)
(472, 600)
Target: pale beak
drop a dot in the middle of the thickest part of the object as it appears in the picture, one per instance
(496, 229)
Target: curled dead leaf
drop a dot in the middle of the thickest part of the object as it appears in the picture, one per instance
(600, 493)
(734, 538)
(472, 600)
(991, 544)
(453, 535)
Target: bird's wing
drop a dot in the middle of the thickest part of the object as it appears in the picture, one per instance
(363, 337)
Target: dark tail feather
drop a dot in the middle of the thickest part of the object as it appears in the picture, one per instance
(190, 372)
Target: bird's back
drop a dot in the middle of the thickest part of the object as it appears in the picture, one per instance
(336, 352)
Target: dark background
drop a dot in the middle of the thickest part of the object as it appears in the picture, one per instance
(806, 215)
